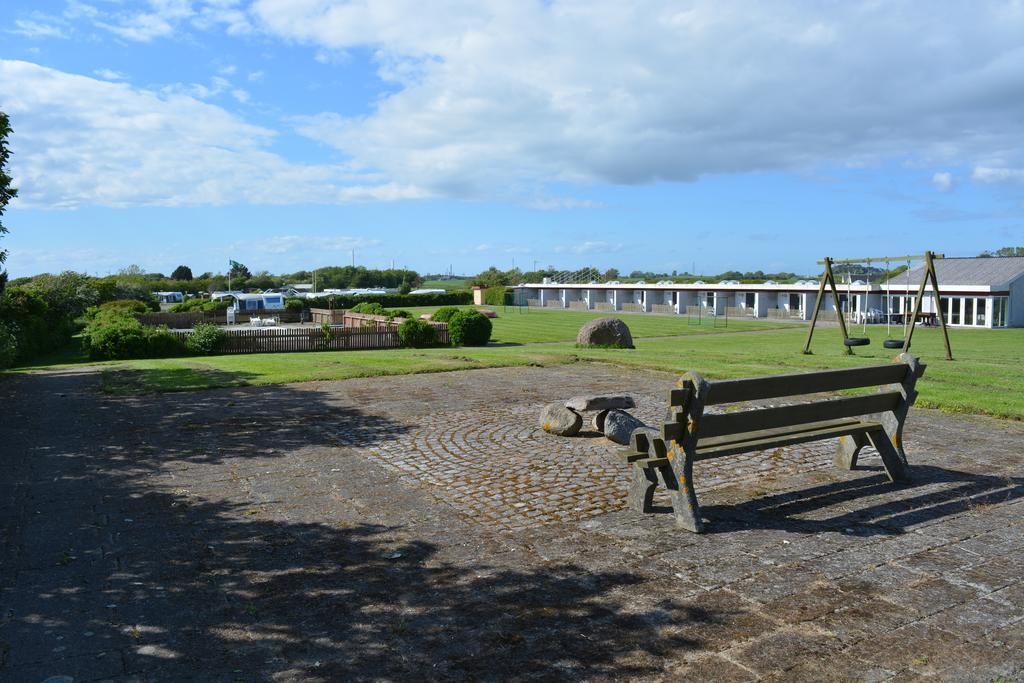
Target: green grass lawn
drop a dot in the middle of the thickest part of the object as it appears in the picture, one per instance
(986, 377)
(529, 325)
(445, 284)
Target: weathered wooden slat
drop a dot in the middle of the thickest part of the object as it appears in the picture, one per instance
(780, 439)
(711, 442)
(777, 386)
(785, 416)
(651, 462)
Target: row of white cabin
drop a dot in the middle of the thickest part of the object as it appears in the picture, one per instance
(976, 292)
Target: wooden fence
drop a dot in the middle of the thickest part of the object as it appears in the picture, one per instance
(331, 316)
(283, 339)
(192, 318)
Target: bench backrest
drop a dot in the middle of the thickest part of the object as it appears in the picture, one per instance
(896, 380)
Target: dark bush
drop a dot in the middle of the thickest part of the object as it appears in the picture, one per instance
(416, 333)
(398, 313)
(8, 347)
(36, 329)
(469, 328)
(206, 339)
(445, 313)
(293, 304)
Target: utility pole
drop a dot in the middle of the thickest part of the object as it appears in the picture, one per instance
(353, 258)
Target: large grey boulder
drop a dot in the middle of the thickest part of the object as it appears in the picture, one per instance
(606, 402)
(605, 332)
(556, 419)
(619, 426)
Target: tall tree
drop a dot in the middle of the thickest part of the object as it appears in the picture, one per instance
(7, 193)
(182, 273)
(238, 270)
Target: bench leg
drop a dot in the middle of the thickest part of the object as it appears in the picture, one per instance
(679, 482)
(847, 449)
(641, 493)
(891, 459)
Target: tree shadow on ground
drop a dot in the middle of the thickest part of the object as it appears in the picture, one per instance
(106, 575)
(858, 509)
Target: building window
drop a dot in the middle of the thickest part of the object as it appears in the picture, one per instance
(999, 311)
(750, 299)
(794, 302)
(954, 310)
(709, 299)
(979, 312)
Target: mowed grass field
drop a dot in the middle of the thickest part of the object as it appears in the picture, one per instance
(986, 377)
(527, 326)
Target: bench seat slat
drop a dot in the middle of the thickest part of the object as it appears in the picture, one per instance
(778, 386)
(801, 413)
(776, 438)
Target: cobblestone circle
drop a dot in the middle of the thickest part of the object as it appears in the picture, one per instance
(499, 468)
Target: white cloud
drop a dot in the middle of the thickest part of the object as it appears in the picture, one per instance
(81, 141)
(588, 247)
(255, 76)
(993, 174)
(498, 98)
(286, 244)
(110, 75)
(37, 29)
(943, 181)
(240, 95)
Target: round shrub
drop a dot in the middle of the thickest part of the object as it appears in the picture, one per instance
(416, 333)
(369, 308)
(445, 313)
(162, 343)
(469, 328)
(398, 313)
(206, 339)
(111, 336)
(293, 304)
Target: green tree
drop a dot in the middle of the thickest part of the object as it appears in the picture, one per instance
(182, 273)
(239, 271)
(7, 193)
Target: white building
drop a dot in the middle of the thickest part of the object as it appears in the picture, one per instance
(976, 292)
(169, 297)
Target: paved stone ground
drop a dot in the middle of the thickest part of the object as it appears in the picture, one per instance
(370, 529)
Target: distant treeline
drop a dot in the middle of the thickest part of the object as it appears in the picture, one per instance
(133, 283)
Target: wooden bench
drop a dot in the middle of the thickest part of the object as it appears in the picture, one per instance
(691, 435)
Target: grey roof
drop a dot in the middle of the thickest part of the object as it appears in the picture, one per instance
(991, 272)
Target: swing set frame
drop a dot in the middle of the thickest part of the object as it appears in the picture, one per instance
(828, 279)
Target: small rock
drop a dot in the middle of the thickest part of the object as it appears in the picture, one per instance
(619, 426)
(605, 402)
(605, 332)
(561, 421)
(488, 313)
(425, 316)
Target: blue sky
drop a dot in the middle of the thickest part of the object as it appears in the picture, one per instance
(657, 136)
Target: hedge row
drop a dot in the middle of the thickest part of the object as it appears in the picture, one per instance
(346, 301)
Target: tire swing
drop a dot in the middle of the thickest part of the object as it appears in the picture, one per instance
(856, 341)
(891, 343)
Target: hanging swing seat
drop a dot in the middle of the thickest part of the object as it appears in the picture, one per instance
(893, 343)
(856, 341)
